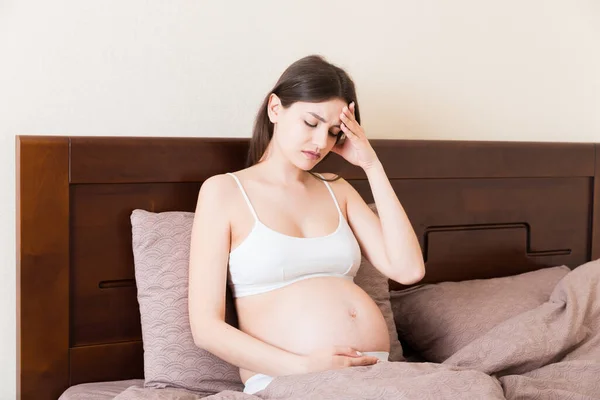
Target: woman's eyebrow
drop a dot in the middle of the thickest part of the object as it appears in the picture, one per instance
(317, 116)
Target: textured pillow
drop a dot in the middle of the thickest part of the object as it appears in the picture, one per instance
(161, 248)
(439, 319)
(377, 287)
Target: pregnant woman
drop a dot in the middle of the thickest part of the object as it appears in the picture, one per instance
(288, 241)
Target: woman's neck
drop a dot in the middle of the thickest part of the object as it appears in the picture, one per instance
(280, 170)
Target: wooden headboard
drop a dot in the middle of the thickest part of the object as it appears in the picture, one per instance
(480, 210)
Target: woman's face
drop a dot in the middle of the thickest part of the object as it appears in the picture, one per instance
(306, 132)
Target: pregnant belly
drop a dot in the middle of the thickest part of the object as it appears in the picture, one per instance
(313, 314)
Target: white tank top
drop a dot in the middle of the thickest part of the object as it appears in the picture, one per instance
(267, 260)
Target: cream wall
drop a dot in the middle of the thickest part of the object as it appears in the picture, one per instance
(432, 69)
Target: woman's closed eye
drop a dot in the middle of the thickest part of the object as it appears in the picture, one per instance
(332, 133)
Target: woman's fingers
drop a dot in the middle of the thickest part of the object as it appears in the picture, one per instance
(346, 351)
(348, 119)
(361, 361)
(349, 134)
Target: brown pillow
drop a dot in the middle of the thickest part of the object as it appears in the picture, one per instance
(377, 287)
(439, 319)
(161, 248)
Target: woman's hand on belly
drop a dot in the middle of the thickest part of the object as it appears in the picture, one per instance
(327, 359)
(335, 358)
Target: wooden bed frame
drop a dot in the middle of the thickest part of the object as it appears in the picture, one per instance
(480, 210)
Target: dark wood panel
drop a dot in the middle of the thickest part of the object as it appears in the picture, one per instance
(147, 159)
(409, 159)
(595, 228)
(121, 160)
(107, 362)
(103, 300)
(555, 211)
(42, 267)
(493, 250)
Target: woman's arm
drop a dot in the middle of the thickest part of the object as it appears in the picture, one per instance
(209, 254)
(389, 240)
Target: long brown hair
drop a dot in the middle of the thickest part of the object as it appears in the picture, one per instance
(310, 79)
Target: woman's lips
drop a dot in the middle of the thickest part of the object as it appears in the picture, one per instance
(312, 155)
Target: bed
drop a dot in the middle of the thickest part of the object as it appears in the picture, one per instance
(481, 210)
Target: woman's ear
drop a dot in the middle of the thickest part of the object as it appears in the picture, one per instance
(274, 108)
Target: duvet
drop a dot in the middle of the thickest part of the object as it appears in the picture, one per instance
(550, 352)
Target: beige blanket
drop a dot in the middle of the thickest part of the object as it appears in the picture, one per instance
(551, 352)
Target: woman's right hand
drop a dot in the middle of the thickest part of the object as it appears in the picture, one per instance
(336, 357)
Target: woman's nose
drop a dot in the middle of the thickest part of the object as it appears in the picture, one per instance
(320, 138)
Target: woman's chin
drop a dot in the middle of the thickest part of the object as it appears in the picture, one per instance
(307, 166)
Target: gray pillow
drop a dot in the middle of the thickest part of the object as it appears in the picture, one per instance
(439, 319)
(161, 248)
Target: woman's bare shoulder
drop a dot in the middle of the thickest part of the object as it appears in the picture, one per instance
(215, 190)
(217, 184)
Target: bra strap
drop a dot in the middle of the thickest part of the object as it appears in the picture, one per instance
(244, 194)
(332, 194)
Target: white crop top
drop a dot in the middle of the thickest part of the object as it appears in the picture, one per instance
(267, 260)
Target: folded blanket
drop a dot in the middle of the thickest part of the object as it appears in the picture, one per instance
(386, 380)
(551, 352)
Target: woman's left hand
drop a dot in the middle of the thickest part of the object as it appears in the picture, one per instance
(356, 149)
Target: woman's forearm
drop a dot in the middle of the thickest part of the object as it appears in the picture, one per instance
(401, 244)
(244, 351)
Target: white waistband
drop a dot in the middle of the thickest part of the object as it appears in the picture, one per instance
(256, 383)
(381, 355)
